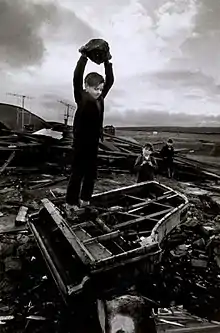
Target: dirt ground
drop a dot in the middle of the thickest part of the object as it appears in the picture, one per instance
(186, 138)
(27, 291)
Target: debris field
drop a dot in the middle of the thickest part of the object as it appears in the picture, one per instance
(186, 283)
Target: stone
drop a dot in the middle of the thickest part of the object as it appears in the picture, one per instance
(21, 218)
(199, 263)
(7, 249)
(23, 239)
(200, 243)
(24, 249)
(12, 264)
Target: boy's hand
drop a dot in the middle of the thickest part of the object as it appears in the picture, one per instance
(108, 57)
(83, 51)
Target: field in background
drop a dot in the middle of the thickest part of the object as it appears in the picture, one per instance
(174, 129)
(205, 147)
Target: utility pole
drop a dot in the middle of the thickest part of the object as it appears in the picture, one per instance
(23, 97)
(67, 112)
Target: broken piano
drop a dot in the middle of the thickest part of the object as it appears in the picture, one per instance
(109, 248)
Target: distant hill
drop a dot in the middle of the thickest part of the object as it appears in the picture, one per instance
(172, 129)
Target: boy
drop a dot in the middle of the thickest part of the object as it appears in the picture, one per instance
(145, 164)
(87, 130)
(167, 154)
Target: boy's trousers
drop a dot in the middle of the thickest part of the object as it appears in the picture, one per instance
(144, 178)
(169, 168)
(83, 174)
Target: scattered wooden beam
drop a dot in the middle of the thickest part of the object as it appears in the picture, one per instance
(73, 240)
(21, 218)
(141, 219)
(197, 329)
(105, 237)
(7, 162)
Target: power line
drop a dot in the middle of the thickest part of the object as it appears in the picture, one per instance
(22, 97)
(67, 111)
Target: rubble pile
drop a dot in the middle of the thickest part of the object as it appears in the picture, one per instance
(51, 150)
(189, 273)
(28, 297)
(29, 300)
(190, 267)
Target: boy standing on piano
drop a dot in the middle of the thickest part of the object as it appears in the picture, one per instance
(88, 123)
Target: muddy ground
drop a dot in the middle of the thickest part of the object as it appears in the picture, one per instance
(27, 291)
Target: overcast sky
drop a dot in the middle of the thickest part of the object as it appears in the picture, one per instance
(165, 54)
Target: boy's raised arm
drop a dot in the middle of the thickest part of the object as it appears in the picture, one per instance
(78, 77)
(109, 78)
(101, 126)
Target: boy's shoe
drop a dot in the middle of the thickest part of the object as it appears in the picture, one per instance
(71, 210)
(84, 204)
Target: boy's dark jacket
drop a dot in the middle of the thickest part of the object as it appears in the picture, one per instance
(167, 153)
(145, 172)
(88, 120)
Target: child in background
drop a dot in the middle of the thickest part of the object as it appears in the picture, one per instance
(145, 164)
(167, 154)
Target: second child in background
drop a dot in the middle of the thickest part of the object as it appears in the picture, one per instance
(167, 154)
(145, 165)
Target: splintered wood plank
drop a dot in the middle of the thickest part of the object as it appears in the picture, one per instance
(117, 213)
(162, 205)
(101, 224)
(106, 229)
(127, 214)
(82, 234)
(139, 233)
(7, 162)
(135, 198)
(98, 251)
(106, 237)
(84, 255)
(146, 202)
(197, 329)
(82, 225)
(145, 218)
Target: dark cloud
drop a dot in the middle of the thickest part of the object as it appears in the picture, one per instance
(200, 49)
(52, 110)
(173, 79)
(20, 41)
(24, 25)
(51, 101)
(207, 18)
(65, 26)
(21, 23)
